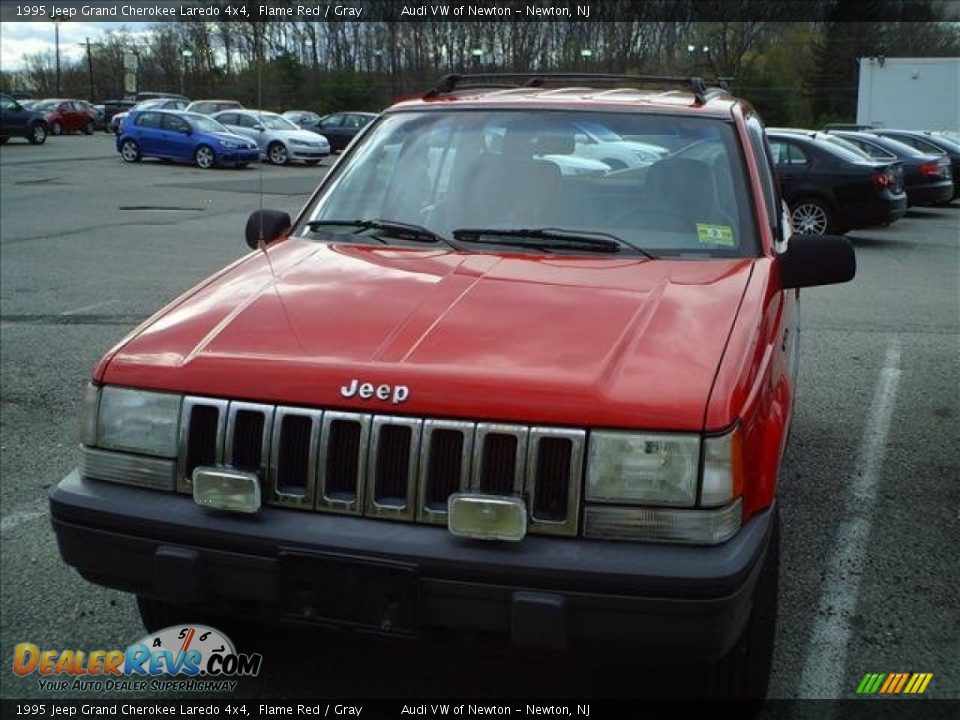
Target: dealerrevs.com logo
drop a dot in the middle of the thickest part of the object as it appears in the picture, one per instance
(181, 657)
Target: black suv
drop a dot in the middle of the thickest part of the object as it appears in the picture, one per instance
(16, 120)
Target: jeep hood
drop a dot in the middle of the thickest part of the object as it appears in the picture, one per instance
(587, 341)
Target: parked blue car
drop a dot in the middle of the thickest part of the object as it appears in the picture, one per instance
(183, 136)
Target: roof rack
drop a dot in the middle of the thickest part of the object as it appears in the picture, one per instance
(455, 81)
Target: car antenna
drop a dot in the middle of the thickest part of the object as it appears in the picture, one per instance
(260, 241)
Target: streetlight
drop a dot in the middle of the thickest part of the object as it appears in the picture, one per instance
(187, 53)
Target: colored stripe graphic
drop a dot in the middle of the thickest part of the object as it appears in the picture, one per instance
(894, 683)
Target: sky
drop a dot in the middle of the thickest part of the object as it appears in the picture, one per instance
(19, 39)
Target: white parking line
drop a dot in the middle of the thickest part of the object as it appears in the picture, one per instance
(9, 522)
(824, 671)
(85, 308)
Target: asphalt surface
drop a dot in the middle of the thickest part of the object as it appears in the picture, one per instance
(870, 490)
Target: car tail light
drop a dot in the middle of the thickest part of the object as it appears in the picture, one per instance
(882, 180)
(930, 169)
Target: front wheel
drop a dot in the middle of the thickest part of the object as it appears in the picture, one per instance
(130, 151)
(204, 158)
(37, 134)
(277, 153)
(811, 217)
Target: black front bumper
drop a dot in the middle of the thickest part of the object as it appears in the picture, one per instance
(672, 603)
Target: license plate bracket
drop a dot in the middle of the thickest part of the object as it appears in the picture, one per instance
(368, 594)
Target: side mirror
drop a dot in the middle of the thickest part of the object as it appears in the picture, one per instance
(812, 260)
(267, 224)
(187, 130)
(258, 127)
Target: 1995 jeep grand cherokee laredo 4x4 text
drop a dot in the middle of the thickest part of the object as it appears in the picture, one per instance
(478, 385)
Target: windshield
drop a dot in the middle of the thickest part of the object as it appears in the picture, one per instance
(507, 170)
(207, 124)
(275, 122)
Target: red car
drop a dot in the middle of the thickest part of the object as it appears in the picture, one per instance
(476, 394)
(66, 116)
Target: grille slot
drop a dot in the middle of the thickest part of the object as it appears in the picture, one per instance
(247, 446)
(499, 455)
(344, 440)
(248, 441)
(498, 469)
(293, 457)
(293, 465)
(202, 424)
(394, 449)
(445, 467)
(393, 462)
(343, 459)
(554, 477)
(447, 447)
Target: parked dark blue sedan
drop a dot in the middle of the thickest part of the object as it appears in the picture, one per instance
(183, 136)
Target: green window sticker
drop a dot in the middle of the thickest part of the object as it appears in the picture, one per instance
(715, 235)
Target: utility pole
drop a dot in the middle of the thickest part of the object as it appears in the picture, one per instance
(90, 69)
(56, 36)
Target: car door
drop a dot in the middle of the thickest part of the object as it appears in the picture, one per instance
(75, 116)
(146, 130)
(176, 137)
(13, 118)
(331, 127)
(248, 126)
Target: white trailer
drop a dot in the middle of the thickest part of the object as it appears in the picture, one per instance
(909, 93)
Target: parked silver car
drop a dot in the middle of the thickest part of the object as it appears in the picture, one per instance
(279, 139)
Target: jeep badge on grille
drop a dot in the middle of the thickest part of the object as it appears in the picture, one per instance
(396, 394)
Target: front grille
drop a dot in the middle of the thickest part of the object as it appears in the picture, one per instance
(391, 467)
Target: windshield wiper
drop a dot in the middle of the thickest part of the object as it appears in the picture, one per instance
(548, 239)
(407, 231)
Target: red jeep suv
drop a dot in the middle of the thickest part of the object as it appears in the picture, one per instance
(473, 389)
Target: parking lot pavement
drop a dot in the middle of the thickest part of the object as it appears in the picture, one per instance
(870, 486)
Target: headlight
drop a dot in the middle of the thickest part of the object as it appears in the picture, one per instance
(228, 144)
(138, 421)
(302, 143)
(648, 469)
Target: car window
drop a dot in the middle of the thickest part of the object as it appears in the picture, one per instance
(227, 118)
(275, 122)
(7, 103)
(353, 121)
(918, 144)
(439, 170)
(150, 120)
(332, 121)
(786, 153)
(174, 123)
(247, 121)
(205, 123)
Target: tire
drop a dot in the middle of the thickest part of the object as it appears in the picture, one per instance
(88, 129)
(130, 151)
(812, 216)
(204, 157)
(744, 672)
(56, 129)
(277, 153)
(37, 134)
